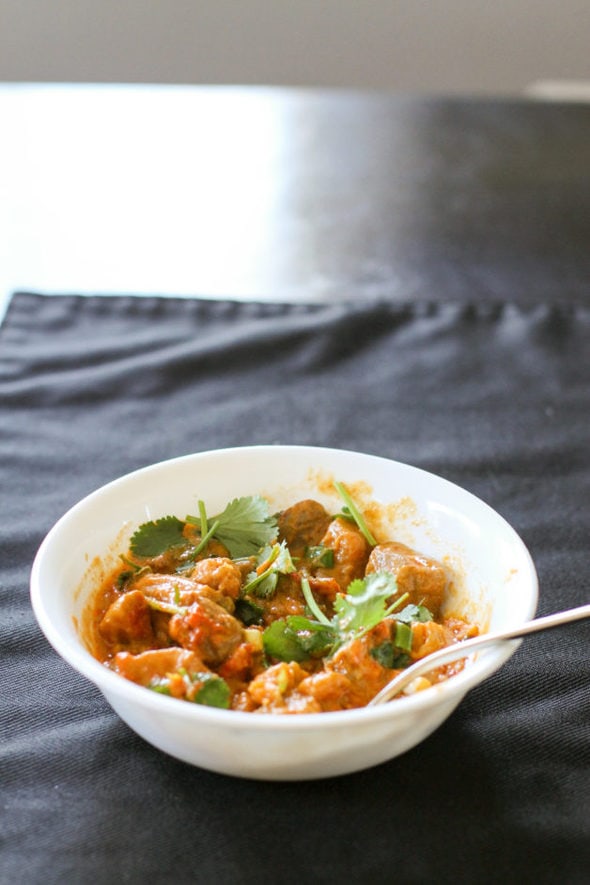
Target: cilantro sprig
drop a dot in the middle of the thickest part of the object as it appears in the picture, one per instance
(351, 511)
(361, 608)
(273, 561)
(355, 614)
(243, 527)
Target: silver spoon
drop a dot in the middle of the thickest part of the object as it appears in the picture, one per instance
(465, 648)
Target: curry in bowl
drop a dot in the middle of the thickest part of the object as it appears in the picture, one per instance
(302, 611)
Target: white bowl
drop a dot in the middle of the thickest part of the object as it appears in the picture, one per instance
(495, 585)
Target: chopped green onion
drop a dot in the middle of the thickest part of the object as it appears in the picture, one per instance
(205, 540)
(203, 516)
(355, 513)
(320, 556)
(134, 565)
(403, 636)
(159, 606)
(312, 604)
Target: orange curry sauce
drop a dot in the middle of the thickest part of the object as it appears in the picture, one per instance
(182, 625)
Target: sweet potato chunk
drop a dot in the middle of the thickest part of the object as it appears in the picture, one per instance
(303, 525)
(428, 638)
(351, 552)
(219, 573)
(424, 579)
(208, 629)
(171, 589)
(144, 668)
(275, 690)
(127, 620)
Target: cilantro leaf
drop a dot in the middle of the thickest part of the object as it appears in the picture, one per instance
(200, 688)
(154, 538)
(245, 526)
(297, 639)
(414, 613)
(272, 562)
(364, 604)
(248, 612)
(389, 656)
(214, 691)
(384, 654)
(314, 638)
(282, 643)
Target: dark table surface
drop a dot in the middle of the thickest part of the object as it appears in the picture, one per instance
(403, 276)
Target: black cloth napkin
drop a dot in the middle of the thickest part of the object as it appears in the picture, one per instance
(495, 397)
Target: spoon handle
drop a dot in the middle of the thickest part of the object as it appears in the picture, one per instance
(463, 649)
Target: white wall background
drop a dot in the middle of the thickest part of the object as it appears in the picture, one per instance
(483, 46)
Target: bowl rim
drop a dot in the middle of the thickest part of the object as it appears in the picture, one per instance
(112, 684)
